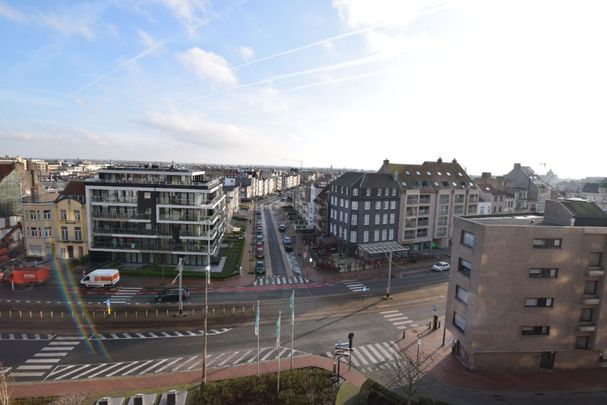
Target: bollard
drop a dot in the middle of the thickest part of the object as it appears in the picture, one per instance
(30, 314)
(167, 312)
(156, 313)
(224, 310)
(213, 310)
(10, 313)
(20, 315)
(125, 314)
(40, 314)
(115, 312)
(51, 314)
(62, 315)
(136, 315)
(192, 311)
(243, 309)
(146, 313)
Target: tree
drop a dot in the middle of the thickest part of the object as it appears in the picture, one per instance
(6, 386)
(75, 399)
(405, 373)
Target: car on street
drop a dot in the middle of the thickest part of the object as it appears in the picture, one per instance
(259, 253)
(172, 294)
(287, 243)
(440, 266)
(260, 267)
(282, 227)
(259, 236)
(259, 244)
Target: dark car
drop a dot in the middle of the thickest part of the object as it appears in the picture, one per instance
(259, 253)
(282, 227)
(260, 267)
(172, 294)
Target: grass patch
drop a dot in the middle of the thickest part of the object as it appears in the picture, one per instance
(301, 386)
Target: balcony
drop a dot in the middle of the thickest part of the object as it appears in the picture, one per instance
(98, 230)
(595, 271)
(586, 327)
(113, 200)
(591, 300)
(109, 216)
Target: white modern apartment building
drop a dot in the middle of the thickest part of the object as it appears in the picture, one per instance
(156, 215)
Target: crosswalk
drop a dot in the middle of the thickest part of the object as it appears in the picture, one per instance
(368, 358)
(294, 263)
(26, 336)
(355, 286)
(398, 319)
(280, 280)
(166, 365)
(157, 335)
(47, 357)
(124, 294)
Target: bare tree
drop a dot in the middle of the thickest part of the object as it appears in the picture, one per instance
(75, 399)
(6, 386)
(406, 371)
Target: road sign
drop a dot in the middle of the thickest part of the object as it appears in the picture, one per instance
(434, 309)
(342, 345)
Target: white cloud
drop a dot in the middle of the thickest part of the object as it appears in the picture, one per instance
(194, 128)
(208, 65)
(246, 52)
(361, 13)
(10, 13)
(188, 12)
(70, 26)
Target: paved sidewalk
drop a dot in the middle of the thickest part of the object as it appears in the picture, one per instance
(107, 386)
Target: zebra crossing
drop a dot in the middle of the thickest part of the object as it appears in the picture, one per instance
(280, 280)
(166, 365)
(368, 358)
(294, 263)
(355, 286)
(26, 336)
(396, 318)
(157, 335)
(47, 357)
(124, 294)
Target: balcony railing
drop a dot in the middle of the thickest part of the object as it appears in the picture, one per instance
(123, 231)
(160, 246)
(120, 217)
(208, 184)
(586, 327)
(108, 199)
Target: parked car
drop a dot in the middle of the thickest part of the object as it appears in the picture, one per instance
(259, 236)
(440, 266)
(282, 227)
(259, 244)
(172, 294)
(288, 244)
(259, 253)
(260, 267)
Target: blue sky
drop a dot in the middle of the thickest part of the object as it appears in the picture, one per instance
(346, 83)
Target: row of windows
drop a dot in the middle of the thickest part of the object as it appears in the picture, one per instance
(47, 215)
(385, 204)
(47, 232)
(378, 236)
(379, 219)
(387, 191)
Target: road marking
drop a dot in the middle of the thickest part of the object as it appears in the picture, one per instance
(42, 361)
(177, 333)
(376, 352)
(282, 352)
(242, 357)
(389, 312)
(27, 374)
(72, 372)
(401, 327)
(104, 370)
(50, 349)
(138, 367)
(70, 338)
(50, 354)
(88, 371)
(121, 368)
(267, 354)
(185, 362)
(227, 359)
(369, 355)
(215, 359)
(63, 343)
(169, 364)
(398, 314)
(141, 335)
(37, 367)
(153, 366)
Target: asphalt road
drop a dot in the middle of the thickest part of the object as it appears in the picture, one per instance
(274, 245)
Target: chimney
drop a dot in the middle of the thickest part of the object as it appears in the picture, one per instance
(517, 165)
(485, 177)
(454, 160)
(386, 163)
(440, 160)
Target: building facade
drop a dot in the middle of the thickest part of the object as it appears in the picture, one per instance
(145, 215)
(38, 226)
(525, 179)
(364, 208)
(431, 195)
(10, 191)
(70, 222)
(527, 292)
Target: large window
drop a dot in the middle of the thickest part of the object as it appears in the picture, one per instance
(459, 322)
(543, 273)
(353, 236)
(412, 200)
(354, 205)
(461, 294)
(586, 314)
(47, 214)
(377, 219)
(539, 302)
(64, 235)
(376, 235)
(354, 219)
(365, 236)
(594, 259)
(590, 287)
(367, 205)
(535, 330)
(63, 215)
(582, 342)
(546, 243)
(409, 234)
(77, 215)
(378, 205)
(392, 218)
(354, 192)
(464, 267)
(77, 233)
(366, 219)
(467, 239)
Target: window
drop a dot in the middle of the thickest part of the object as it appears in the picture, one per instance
(458, 209)
(366, 219)
(47, 232)
(422, 233)
(412, 211)
(392, 218)
(32, 214)
(543, 273)
(464, 267)
(341, 202)
(391, 234)
(443, 199)
(409, 234)
(77, 233)
(377, 219)
(346, 203)
(539, 302)
(590, 287)
(376, 235)
(354, 192)
(355, 205)
(586, 314)
(461, 294)
(595, 259)
(47, 214)
(377, 205)
(365, 236)
(34, 232)
(387, 191)
(411, 200)
(581, 342)
(386, 204)
(546, 243)
(147, 195)
(535, 330)
(385, 219)
(392, 205)
(379, 192)
(77, 215)
(442, 221)
(64, 234)
(341, 216)
(467, 239)
(354, 219)
(393, 192)
(368, 194)
(353, 236)
(441, 232)
(367, 205)
(459, 322)
(63, 215)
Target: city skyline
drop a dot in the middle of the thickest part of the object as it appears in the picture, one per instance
(312, 84)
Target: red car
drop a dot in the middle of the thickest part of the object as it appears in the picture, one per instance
(259, 244)
(259, 253)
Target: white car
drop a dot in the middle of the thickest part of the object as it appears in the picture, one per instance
(440, 266)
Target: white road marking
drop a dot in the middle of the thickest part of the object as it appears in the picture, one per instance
(389, 312)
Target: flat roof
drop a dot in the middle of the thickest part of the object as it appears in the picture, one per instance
(381, 247)
(508, 219)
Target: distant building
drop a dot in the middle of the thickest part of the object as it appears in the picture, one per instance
(596, 192)
(524, 178)
(151, 214)
(70, 222)
(10, 190)
(527, 291)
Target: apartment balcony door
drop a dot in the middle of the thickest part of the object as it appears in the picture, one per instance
(547, 360)
(70, 252)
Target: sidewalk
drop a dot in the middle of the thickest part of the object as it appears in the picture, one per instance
(107, 386)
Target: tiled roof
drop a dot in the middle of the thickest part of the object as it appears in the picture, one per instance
(365, 180)
(488, 188)
(431, 174)
(74, 187)
(5, 170)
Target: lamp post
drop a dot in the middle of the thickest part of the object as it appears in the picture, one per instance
(206, 308)
(180, 269)
(389, 274)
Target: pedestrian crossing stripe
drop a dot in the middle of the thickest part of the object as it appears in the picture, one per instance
(26, 336)
(371, 356)
(355, 286)
(280, 280)
(398, 319)
(167, 365)
(124, 294)
(158, 335)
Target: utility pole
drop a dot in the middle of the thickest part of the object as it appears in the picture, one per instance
(180, 269)
(206, 307)
(389, 274)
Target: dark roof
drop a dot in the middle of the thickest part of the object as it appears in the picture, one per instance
(430, 174)
(5, 169)
(583, 209)
(488, 188)
(365, 180)
(533, 176)
(74, 187)
(594, 187)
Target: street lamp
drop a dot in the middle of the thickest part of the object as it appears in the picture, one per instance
(389, 274)
(206, 307)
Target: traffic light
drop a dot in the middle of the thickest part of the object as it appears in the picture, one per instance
(350, 337)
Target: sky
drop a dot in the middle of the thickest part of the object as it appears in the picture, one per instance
(341, 83)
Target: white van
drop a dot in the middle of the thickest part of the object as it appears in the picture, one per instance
(106, 278)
